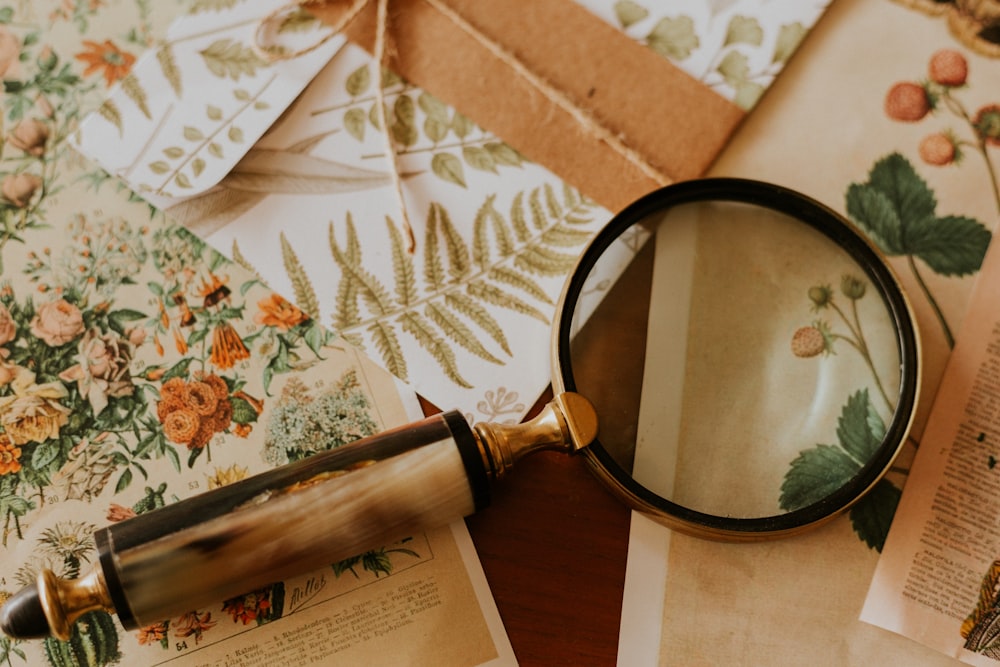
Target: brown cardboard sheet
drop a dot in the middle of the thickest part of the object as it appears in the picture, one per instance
(674, 122)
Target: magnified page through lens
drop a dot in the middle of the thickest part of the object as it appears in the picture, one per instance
(763, 366)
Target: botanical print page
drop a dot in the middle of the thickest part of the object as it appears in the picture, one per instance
(863, 131)
(138, 367)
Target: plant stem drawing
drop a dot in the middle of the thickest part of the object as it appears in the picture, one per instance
(819, 337)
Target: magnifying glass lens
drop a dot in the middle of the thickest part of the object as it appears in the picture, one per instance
(750, 359)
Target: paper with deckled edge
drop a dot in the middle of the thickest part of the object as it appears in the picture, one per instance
(502, 398)
(82, 239)
(773, 603)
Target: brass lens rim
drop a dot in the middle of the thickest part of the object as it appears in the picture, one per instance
(883, 281)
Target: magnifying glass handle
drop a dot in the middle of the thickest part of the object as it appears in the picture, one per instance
(293, 519)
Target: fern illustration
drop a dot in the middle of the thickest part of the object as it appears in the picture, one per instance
(449, 302)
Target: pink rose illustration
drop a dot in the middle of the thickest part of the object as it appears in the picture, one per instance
(57, 322)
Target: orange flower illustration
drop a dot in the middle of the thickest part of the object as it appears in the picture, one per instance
(153, 634)
(248, 607)
(227, 346)
(107, 59)
(275, 311)
(9, 455)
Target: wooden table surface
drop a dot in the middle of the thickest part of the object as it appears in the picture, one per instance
(553, 545)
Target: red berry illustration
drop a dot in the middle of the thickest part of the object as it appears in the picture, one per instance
(907, 101)
(948, 68)
(937, 149)
(808, 342)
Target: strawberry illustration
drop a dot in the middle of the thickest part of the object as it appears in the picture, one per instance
(938, 149)
(948, 68)
(907, 101)
(808, 342)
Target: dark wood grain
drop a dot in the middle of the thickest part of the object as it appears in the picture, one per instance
(553, 545)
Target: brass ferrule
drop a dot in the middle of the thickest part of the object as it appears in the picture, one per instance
(567, 423)
(64, 601)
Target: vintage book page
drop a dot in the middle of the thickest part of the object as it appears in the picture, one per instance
(823, 129)
(138, 367)
(936, 581)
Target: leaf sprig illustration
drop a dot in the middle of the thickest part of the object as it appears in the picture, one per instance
(456, 142)
(818, 472)
(899, 213)
(446, 303)
(676, 38)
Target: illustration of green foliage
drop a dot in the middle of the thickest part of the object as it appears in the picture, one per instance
(412, 114)
(897, 210)
(229, 58)
(445, 304)
(673, 38)
(629, 12)
(818, 472)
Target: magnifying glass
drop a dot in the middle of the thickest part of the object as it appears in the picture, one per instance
(751, 360)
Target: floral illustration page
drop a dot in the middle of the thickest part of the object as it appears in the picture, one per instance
(908, 155)
(463, 311)
(138, 367)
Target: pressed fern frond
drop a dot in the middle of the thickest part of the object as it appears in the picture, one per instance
(469, 307)
(488, 216)
(457, 331)
(434, 275)
(509, 276)
(402, 267)
(551, 202)
(384, 338)
(305, 295)
(517, 219)
(373, 292)
(492, 294)
(239, 258)
(458, 255)
(565, 236)
(538, 217)
(415, 325)
(541, 260)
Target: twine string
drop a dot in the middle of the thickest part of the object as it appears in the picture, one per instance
(590, 124)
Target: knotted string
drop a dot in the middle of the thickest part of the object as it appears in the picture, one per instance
(587, 121)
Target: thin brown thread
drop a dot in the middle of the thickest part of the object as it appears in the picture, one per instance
(589, 122)
(381, 32)
(586, 120)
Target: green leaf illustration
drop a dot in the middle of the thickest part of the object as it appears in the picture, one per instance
(629, 13)
(815, 474)
(449, 168)
(388, 347)
(479, 158)
(859, 429)
(744, 30)
(433, 107)
(673, 38)
(872, 515)
(229, 58)
(358, 81)
(403, 123)
(789, 38)
(355, 120)
(734, 68)
(818, 472)
(897, 210)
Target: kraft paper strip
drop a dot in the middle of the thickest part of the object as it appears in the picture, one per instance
(675, 122)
